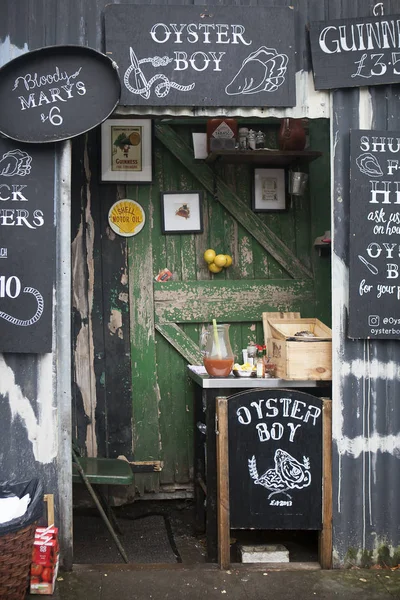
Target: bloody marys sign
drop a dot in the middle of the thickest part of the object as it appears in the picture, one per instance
(374, 277)
(56, 93)
(27, 246)
(191, 56)
(355, 52)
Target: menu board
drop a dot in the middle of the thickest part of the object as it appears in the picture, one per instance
(355, 52)
(275, 460)
(27, 246)
(198, 56)
(374, 283)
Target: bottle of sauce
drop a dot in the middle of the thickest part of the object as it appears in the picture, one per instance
(221, 134)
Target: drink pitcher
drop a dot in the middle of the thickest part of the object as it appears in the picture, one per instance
(218, 357)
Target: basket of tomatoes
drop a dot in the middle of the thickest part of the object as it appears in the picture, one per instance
(16, 538)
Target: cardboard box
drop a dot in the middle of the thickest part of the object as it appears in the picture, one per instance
(299, 358)
(45, 561)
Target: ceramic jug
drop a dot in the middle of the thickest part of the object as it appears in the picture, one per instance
(292, 135)
(218, 357)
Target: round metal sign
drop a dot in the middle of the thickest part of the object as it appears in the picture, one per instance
(57, 93)
(126, 217)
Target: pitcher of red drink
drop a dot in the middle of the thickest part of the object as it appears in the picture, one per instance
(218, 357)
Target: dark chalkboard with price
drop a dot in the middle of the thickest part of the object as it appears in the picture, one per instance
(275, 460)
(355, 52)
(374, 276)
(27, 246)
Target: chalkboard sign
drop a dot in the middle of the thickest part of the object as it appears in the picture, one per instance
(27, 246)
(191, 56)
(355, 52)
(275, 460)
(374, 276)
(56, 93)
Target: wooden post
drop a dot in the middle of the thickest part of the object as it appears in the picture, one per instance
(223, 482)
(49, 499)
(325, 536)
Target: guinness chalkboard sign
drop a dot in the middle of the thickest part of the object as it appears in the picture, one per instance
(355, 52)
(275, 460)
(27, 246)
(194, 56)
(374, 276)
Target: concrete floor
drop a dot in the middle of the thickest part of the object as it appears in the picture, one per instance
(207, 581)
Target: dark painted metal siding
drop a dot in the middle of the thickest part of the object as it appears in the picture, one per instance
(366, 413)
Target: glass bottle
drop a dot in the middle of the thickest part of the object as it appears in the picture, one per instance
(251, 354)
(243, 133)
(218, 357)
(251, 140)
(260, 140)
(260, 366)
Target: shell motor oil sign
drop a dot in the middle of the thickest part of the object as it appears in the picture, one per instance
(126, 217)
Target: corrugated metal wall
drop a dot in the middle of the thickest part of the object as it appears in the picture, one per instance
(366, 434)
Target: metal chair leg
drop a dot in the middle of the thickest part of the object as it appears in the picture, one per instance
(108, 508)
(100, 508)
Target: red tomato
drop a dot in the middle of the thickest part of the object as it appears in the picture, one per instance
(35, 580)
(47, 574)
(36, 570)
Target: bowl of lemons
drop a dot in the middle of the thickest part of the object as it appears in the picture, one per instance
(245, 370)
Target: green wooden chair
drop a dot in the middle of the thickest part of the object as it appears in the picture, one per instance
(96, 472)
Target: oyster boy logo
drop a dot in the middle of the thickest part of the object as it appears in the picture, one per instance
(286, 474)
(263, 70)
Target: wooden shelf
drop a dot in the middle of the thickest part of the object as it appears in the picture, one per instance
(277, 158)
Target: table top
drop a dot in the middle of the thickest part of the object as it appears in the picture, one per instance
(245, 383)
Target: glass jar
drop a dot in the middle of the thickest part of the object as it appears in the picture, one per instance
(251, 140)
(251, 353)
(243, 133)
(260, 140)
(218, 357)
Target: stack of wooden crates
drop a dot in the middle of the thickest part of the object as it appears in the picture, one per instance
(298, 358)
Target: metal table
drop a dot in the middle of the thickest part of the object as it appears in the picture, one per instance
(205, 467)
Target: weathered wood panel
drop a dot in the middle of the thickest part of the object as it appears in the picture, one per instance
(243, 301)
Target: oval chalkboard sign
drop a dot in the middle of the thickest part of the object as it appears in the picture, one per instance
(56, 93)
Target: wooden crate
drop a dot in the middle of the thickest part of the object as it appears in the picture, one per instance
(299, 358)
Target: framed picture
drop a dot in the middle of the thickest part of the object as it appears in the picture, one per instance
(181, 212)
(269, 190)
(126, 154)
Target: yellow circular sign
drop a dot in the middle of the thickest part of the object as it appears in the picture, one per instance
(126, 217)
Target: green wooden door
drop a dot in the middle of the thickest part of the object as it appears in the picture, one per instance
(275, 268)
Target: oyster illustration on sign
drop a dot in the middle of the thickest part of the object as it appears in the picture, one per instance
(15, 162)
(368, 164)
(262, 71)
(287, 474)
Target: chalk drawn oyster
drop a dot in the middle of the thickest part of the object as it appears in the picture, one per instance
(262, 71)
(15, 162)
(368, 164)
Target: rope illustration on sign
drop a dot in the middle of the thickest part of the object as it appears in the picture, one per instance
(142, 87)
(287, 474)
(36, 316)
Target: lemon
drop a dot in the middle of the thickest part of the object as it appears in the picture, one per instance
(214, 268)
(220, 260)
(228, 260)
(209, 255)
